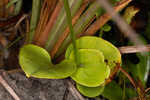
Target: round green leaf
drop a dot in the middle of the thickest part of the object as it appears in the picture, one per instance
(92, 70)
(106, 28)
(90, 91)
(110, 52)
(36, 62)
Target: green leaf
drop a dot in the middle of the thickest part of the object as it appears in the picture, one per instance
(110, 52)
(143, 67)
(11, 3)
(36, 6)
(18, 7)
(90, 91)
(112, 91)
(92, 70)
(106, 28)
(130, 93)
(129, 13)
(36, 62)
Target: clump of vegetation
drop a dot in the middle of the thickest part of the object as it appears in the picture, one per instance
(55, 43)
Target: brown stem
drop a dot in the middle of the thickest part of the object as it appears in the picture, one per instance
(8, 88)
(133, 49)
(113, 72)
(74, 91)
(44, 35)
(141, 97)
(16, 27)
(148, 89)
(128, 76)
(66, 32)
(46, 12)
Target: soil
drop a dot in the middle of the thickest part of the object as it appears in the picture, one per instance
(34, 89)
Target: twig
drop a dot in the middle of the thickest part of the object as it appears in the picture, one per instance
(10, 21)
(65, 96)
(74, 92)
(133, 49)
(14, 71)
(8, 88)
(148, 89)
(23, 17)
(141, 97)
(124, 27)
(20, 20)
(128, 76)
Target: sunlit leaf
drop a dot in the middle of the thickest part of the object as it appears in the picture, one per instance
(92, 70)
(110, 52)
(90, 91)
(36, 62)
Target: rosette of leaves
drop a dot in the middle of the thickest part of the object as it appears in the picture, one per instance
(97, 58)
(88, 61)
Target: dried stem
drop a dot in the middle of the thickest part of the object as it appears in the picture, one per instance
(16, 27)
(128, 76)
(46, 12)
(73, 90)
(8, 88)
(133, 49)
(65, 96)
(10, 21)
(141, 97)
(44, 35)
(147, 90)
(24, 16)
(66, 32)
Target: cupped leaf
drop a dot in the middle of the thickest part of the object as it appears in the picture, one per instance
(90, 91)
(143, 67)
(36, 62)
(59, 71)
(92, 70)
(110, 52)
